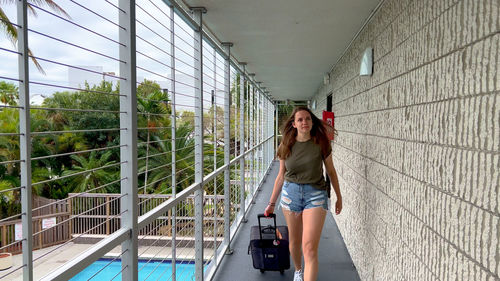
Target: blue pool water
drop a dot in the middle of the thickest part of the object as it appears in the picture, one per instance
(154, 270)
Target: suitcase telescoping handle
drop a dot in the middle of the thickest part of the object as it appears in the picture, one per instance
(259, 216)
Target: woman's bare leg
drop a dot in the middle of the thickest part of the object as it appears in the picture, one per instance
(312, 220)
(294, 223)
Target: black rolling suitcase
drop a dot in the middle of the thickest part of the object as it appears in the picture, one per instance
(269, 246)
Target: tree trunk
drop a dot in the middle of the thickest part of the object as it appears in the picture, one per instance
(147, 155)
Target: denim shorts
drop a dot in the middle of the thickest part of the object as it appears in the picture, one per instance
(299, 197)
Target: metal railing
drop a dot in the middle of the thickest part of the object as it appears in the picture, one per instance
(183, 150)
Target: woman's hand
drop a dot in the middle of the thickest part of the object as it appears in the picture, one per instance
(338, 206)
(269, 210)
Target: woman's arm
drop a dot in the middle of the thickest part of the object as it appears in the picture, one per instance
(278, 184)
(330, 170)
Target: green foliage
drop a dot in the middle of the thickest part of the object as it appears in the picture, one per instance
(90, 174)
(100, 97)
(55, 177)
(9, 201)
(9, 145)
(9, 93)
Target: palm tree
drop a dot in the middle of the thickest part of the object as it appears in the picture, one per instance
(89, 180)
(153, 105)
(10, 30)
(9, 145)
(9, 93)
(184, 155)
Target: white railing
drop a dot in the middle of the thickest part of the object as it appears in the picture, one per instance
(195, 122)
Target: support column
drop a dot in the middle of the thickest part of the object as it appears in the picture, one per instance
(261, 129)
(25, 139)
(268, 134)
(242, 142)
(198, 147)
(173, 126)
(276, 128)
(264, 133)
(128, 138)
(270, 130)
(272, 152)
(227, 147)
(214, 108)
(251, 130)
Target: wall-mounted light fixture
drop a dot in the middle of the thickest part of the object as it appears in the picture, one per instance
(366, 68)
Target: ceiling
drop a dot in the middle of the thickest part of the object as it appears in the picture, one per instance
(289, 44)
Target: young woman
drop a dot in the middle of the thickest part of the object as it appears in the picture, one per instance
(303, 151)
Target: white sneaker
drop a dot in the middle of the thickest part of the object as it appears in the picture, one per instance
(298, 276)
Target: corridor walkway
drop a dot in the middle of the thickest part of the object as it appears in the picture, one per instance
(334, 260)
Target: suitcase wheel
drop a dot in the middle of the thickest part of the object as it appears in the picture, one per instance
(262, 271)
(282, 271)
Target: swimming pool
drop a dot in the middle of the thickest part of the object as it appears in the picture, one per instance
(154, 270)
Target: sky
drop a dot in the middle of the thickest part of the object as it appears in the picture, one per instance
(153, 43)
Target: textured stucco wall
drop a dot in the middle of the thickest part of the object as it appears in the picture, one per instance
(418, 146)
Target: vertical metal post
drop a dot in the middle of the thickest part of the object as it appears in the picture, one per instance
(251, 127)
(272, 151)
(254, 138)
(237, 141)
(269, 142)
(173, 146)
(198, 147)
(261, 126)
(261, 129)
(259, 135)
(227, 148)
(257, 138)
(173, 126)
(25, 139)
(264, 134)
(128, 138)
(270, 125)
(242, 143)
(214, 105)
(270, 121)
(276, 128)
(236, 124)
(214, 108)
(247, 136)
(258, 129)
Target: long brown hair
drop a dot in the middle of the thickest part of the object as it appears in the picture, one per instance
(289, 133)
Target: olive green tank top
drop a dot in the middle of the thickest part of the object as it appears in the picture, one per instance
(305, 164)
